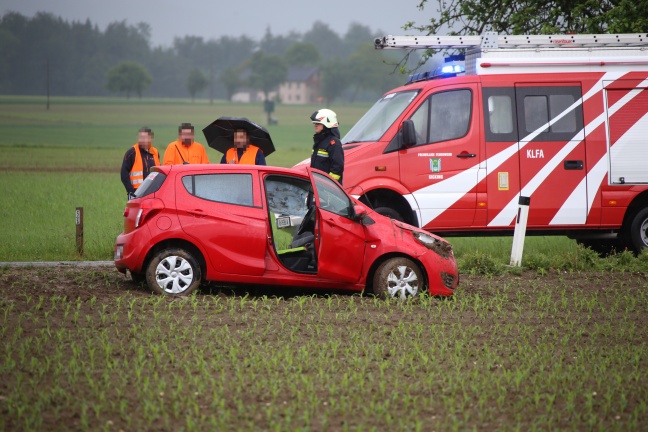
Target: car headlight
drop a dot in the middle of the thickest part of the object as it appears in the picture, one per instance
(441, 247)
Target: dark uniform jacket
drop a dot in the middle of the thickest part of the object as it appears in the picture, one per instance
(148, 162)
(328, 155)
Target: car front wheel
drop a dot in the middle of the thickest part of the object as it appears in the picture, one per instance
(173, 272)
(398, 278)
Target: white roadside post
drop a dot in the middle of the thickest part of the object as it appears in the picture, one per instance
(520, 231)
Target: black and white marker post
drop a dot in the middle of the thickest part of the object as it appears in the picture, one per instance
(520, 230)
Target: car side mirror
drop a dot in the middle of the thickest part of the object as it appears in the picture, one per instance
(408, 133)
(359, 212)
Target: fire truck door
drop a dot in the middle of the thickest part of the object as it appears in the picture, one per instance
(442, 168)
(626, 102)
(548, 125)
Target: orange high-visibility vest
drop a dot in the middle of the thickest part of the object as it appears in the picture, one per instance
(248, 158)
(137, 171)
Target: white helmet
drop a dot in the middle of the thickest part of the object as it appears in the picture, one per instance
(325, 117)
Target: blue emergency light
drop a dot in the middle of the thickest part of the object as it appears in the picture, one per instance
(445, 71)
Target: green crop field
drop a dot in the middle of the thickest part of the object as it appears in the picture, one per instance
(87, 350)
(69, 156)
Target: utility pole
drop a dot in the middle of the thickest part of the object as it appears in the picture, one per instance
(47, 83)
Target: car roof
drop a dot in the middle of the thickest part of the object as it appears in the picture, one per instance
(213, 168)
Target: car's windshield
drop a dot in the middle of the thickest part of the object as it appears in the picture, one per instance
(373, 125)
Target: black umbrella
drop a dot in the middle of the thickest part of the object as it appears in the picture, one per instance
(220, 134)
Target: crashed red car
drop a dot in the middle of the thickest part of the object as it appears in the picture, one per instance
(246, 224)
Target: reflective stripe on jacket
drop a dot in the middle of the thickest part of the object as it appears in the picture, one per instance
(137, 171)
(248, 157)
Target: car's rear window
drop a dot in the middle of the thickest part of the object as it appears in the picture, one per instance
(151, 184)
(226, 188)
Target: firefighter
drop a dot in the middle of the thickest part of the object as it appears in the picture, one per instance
(328, 155)
(185, 150)
(243, 152)
(138, 161)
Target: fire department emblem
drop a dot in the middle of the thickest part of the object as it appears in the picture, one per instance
(435, 164)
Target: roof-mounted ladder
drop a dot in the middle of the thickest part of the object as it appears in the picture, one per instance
(491, 40)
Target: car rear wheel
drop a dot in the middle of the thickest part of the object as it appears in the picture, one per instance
(173, 272)
(398, 278)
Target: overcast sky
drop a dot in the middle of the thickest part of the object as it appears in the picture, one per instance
(214, 18)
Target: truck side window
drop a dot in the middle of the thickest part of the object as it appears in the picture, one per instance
(450, 113)
(420, 119)
(500, 114)
(538, 105)
(536, 113)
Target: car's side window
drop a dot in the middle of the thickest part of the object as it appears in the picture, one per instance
(287, 195)
(226, 188)
(331, 197)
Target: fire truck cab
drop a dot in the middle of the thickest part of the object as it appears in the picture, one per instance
(560, 119)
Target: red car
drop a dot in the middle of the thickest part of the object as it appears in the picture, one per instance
(267, 225)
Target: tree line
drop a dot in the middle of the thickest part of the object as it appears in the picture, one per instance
(79, 59)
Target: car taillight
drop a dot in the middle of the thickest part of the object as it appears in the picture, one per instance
(146, 210)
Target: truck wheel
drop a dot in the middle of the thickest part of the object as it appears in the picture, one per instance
(638, 231)
(173, 272)
(390, 213)
(398, 278)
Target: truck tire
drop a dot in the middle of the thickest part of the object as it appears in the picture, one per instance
(638, 231)
(390, 213)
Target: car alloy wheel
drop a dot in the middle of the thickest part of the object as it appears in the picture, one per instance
(398, 278)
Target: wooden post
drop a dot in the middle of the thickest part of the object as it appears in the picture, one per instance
(79, 230)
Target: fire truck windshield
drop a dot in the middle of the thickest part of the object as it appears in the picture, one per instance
(373, 125)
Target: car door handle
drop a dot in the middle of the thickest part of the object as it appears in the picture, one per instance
(573, 165)
(197, 212)
(466, 155)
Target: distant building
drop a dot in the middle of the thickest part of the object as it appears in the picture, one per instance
(301, 87)
(245, 94)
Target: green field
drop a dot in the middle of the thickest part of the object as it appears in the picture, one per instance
(69, 156)
(87, 350)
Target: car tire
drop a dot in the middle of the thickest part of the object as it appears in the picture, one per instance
(390, 213)
(173, 272)
(638, 231)
(398, 278)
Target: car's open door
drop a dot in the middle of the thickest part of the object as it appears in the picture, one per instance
(339, 240)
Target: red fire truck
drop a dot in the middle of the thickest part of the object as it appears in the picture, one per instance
(560, 119)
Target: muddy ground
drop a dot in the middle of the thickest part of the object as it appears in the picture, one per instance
(527, 294)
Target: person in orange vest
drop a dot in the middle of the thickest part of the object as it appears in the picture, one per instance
(185, 150)
(243, 152)
(138, 161)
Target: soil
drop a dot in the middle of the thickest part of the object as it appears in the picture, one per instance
(103, 284)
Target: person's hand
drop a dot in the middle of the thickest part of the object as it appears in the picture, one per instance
(131, 195)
